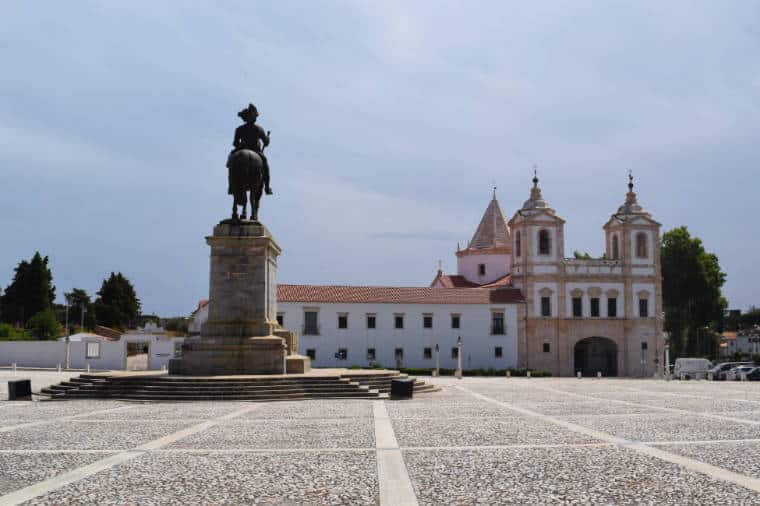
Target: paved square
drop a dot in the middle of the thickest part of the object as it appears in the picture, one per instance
(478, 441)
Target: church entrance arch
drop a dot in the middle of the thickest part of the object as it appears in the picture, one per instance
(596, 354)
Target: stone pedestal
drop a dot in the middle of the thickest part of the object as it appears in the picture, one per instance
(239, 336)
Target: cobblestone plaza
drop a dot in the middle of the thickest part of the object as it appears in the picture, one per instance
(477, 441)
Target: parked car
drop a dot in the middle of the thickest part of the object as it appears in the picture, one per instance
(720, 370)
(754, 374)
(735, 374)
(692, 368)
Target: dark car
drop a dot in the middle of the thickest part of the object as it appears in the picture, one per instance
(754, 374)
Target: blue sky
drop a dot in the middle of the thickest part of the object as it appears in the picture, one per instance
(390, 122)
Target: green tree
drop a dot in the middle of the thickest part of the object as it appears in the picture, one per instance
(582, 256)
(117, 304)
(177, 324)
(44, 325)
(30, 292)
(79, 300)
(691, 293)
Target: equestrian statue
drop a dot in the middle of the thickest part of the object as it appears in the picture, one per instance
(247, 165)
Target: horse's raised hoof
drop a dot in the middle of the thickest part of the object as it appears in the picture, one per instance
(268, 191)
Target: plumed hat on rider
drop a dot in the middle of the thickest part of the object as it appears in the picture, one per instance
(249, 113)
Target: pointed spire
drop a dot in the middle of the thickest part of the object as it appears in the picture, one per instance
(440, 267)
(492, 231)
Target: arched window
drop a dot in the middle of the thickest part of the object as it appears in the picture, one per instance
(615, 248)
(544, 242)
(518, 243)
(641, 245)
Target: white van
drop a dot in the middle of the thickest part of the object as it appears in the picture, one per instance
(692, 368)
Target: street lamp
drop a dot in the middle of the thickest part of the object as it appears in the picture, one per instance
(458, 372)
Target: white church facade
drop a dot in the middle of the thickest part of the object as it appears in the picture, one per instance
(515, 302)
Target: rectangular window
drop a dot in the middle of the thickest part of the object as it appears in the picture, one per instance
(482, 269)
(547, 348)
(342, 354)
(577, 307)
(399, 353)
(427, 321)
(310, 325)
(455, 321)
(371, 321)
(497, 352)
(280, 319)
(398, 321)
(643, 308)
(427, 353)
(546, 306)
(370, 354)
(612, 307)
(497, 323)
(343, 321)
(454, 352)
(93, 350)
(177, 349)
(595, 307)
(644, 346)
(311, 353)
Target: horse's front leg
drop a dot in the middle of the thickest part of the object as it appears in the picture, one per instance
(234, 210)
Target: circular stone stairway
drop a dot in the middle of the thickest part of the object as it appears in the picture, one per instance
(319, 384)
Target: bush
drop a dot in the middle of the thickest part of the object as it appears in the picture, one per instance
(10, 333)
(756, 358)
(44, 325)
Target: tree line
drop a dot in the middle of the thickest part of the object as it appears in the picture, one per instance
(28, 308)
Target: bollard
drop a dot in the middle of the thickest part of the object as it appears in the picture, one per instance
(527, 374)
(14, 368)
(743, 376)
(88, 368)
(578, 375)
(683, 377)
(599, 374)
(710, 376)
(509, 373)
(59, 367)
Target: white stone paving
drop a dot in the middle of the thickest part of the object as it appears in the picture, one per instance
(494, 440)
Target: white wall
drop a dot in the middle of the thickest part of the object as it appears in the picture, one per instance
(32, 353)
(496, 267)
(112, 353)
(475, 329)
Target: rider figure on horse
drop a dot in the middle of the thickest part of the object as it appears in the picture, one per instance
(251, 136)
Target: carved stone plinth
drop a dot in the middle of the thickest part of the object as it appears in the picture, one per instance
(239, 335)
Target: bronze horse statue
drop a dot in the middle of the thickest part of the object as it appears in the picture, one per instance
(248, 167)
(246, 175)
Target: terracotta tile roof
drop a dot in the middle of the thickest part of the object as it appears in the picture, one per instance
(454, 281)
(397, 295)
(505, 280)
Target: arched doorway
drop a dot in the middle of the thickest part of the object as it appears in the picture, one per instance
(596, 354)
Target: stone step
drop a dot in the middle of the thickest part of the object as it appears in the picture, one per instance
(238, 396)
(122, 386)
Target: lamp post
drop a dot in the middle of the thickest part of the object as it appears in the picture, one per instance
(437, 361)
(458, 372)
